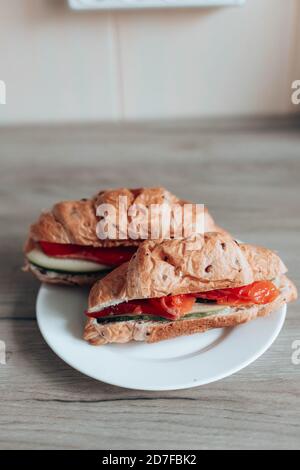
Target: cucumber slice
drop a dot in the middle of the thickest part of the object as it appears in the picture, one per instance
(222, 311)
(203, 308)
(62, 274)
(67, 265)
(153, 318)
(120, 318)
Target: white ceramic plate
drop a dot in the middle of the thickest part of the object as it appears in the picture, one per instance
(174, 364)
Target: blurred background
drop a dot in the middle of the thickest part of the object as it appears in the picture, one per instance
(62, 66)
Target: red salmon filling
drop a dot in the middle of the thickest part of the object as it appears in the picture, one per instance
(174, 306)
(171, 307)
(108, 256)
(258, 293)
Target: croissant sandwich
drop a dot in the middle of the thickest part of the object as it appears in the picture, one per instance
(171, 288)
(63, 245)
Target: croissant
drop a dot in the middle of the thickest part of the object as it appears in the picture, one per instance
(63, 246)
(152, 296)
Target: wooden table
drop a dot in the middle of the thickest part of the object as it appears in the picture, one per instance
(248, 175)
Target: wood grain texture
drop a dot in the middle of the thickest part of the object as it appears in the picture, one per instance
(248, 175)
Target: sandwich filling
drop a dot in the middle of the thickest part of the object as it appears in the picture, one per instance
(77, 259)
(184, 306)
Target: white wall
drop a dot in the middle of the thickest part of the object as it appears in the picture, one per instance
(60, 65)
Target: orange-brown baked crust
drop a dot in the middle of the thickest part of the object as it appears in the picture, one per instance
(75, 222)
(210, 261)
